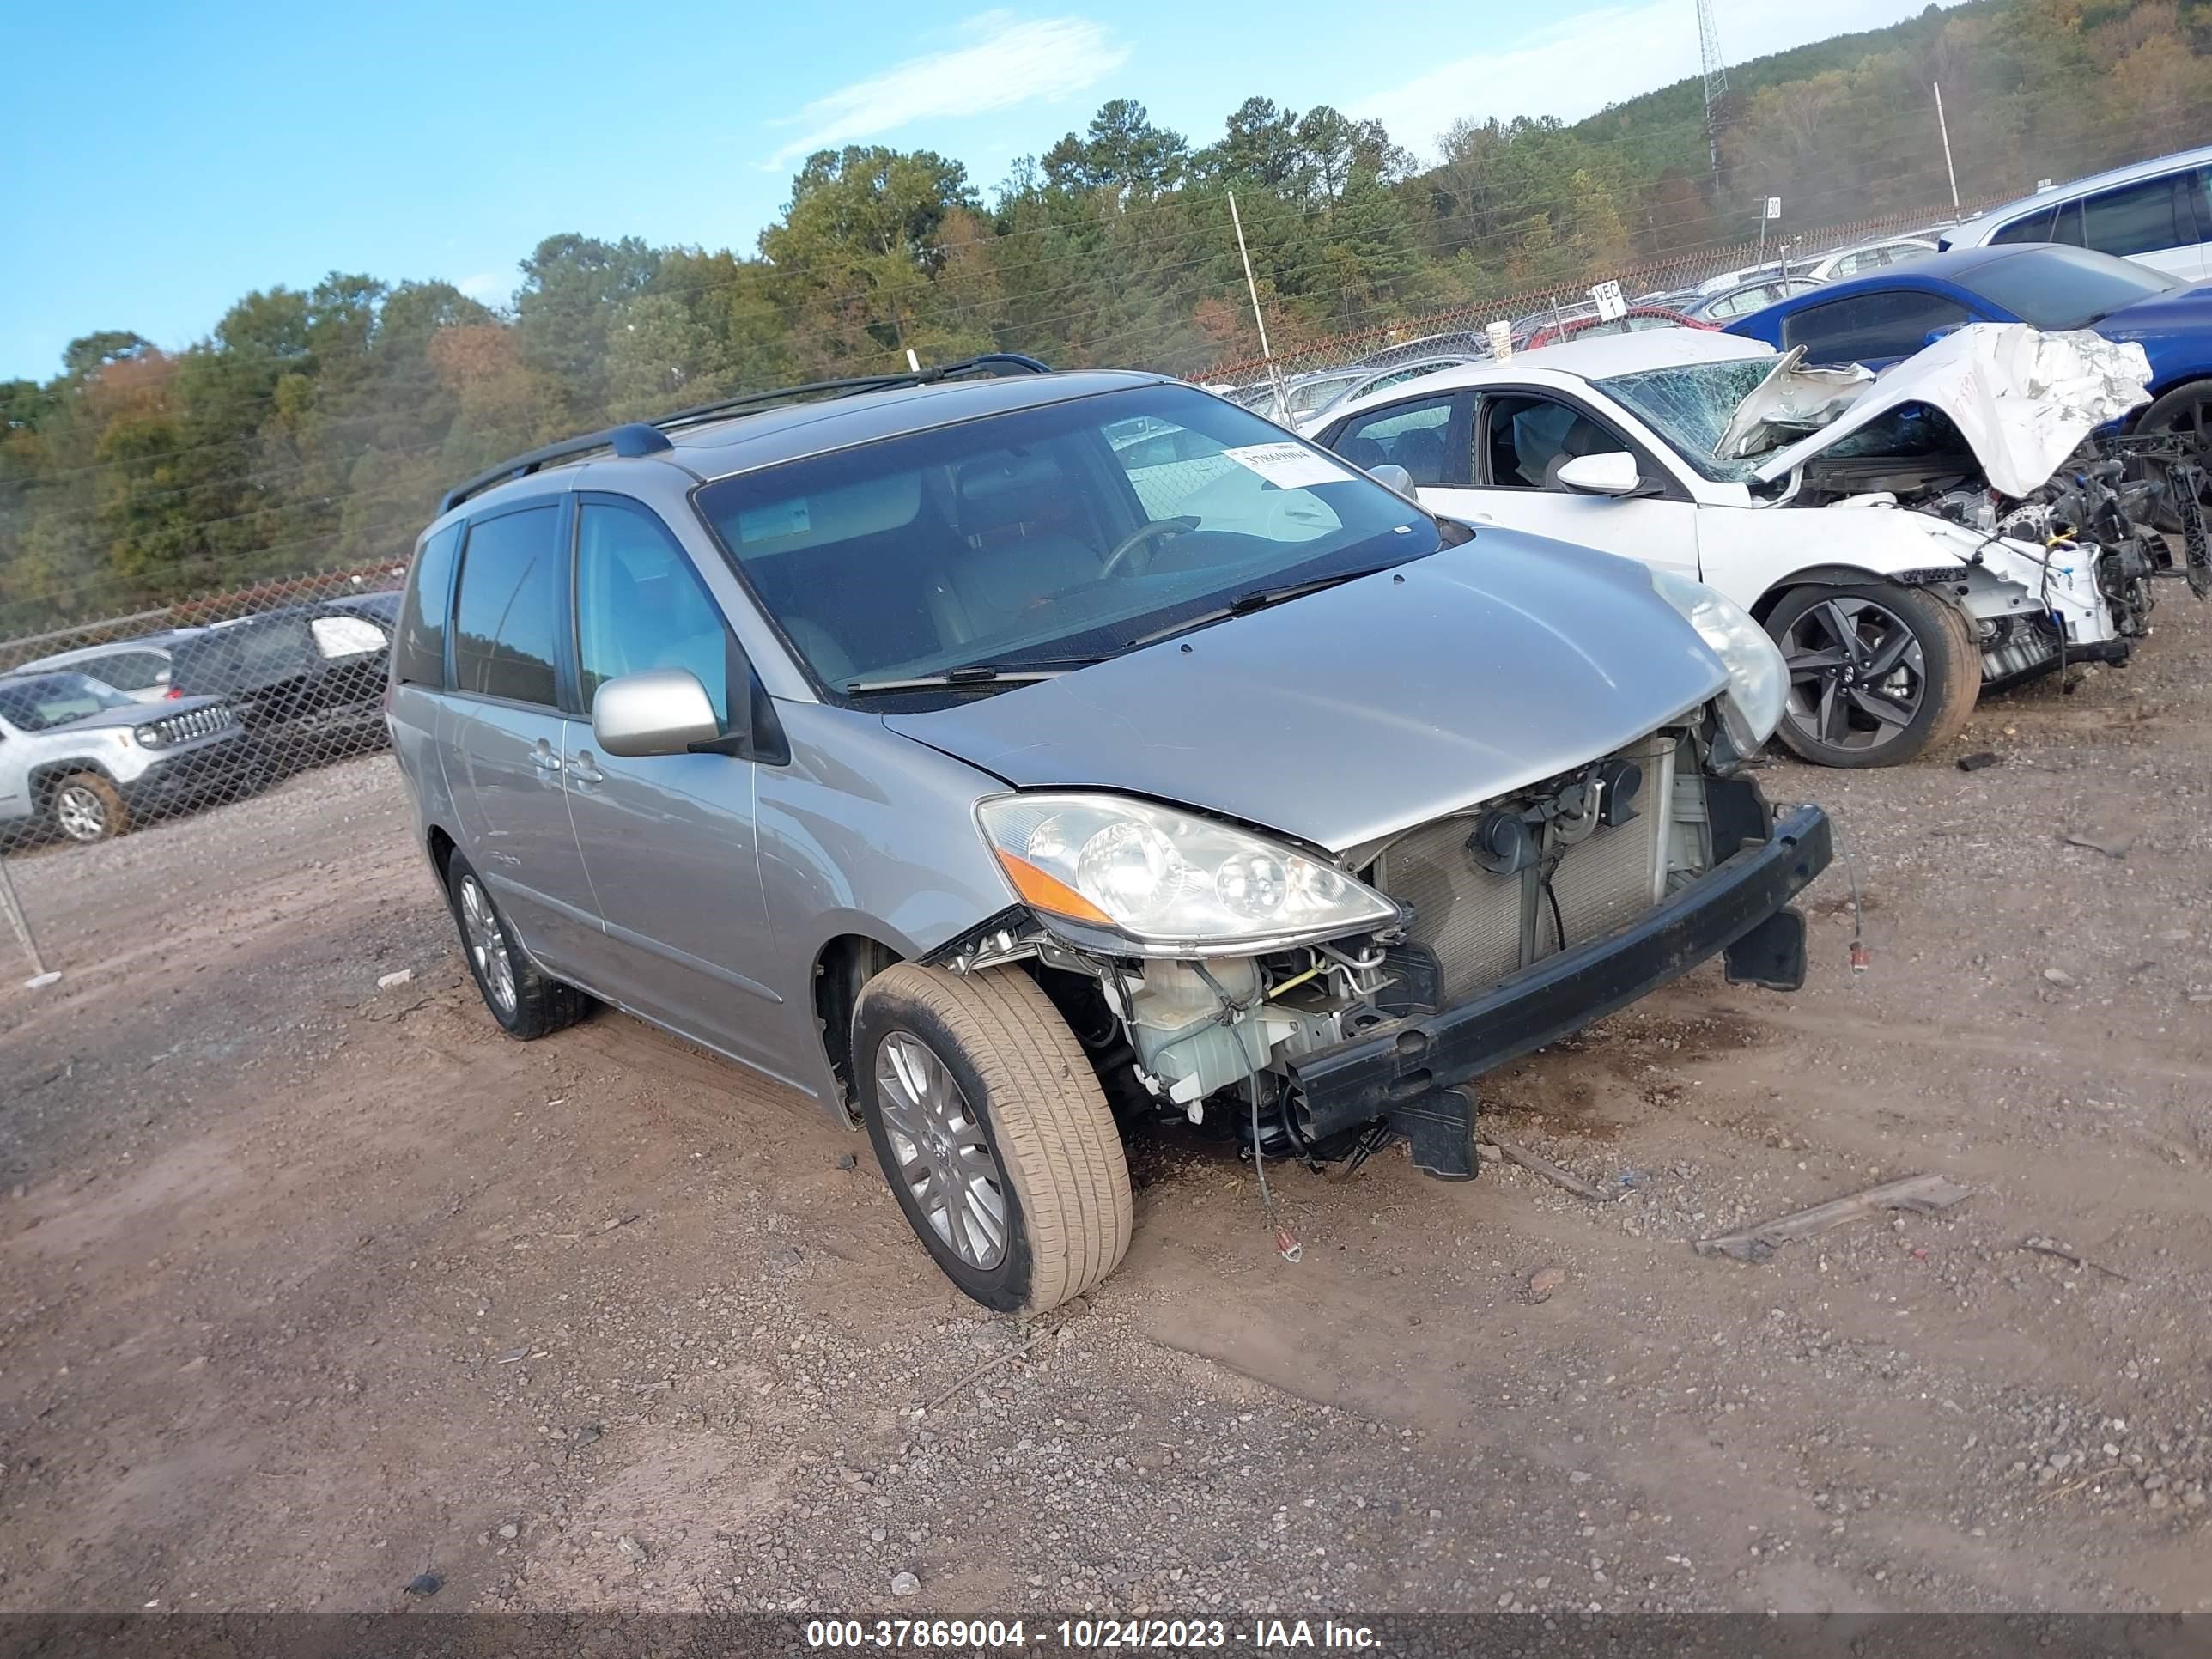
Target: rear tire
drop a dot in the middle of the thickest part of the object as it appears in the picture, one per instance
(993, 1132)
(527, 1002)
(1878, 674)
(88, 808)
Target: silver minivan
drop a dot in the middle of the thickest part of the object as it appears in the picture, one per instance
(1005, 759)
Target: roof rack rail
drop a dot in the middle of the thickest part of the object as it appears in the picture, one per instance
(991, 363)
(638, 438)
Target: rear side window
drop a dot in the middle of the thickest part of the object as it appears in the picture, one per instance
(1871, 326)
(503, 620)
(2133, 219)
(2062, 223)
(418, 653)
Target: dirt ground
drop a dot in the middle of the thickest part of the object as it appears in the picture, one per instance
(306, 1287)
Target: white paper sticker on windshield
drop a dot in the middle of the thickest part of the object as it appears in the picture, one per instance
(1288, 466)
(774, 521)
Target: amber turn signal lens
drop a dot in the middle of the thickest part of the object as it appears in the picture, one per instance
(1049, 892)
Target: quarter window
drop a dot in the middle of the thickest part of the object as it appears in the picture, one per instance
(503, 622)
(640, 605)
(419, 654)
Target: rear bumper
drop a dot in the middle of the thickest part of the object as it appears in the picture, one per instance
(1741, 906)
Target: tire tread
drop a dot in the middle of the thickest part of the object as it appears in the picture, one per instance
(1056, 1137)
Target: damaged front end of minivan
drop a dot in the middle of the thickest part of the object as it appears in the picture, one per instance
(1315, 1003)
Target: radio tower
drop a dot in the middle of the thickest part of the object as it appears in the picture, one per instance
(1716, 71)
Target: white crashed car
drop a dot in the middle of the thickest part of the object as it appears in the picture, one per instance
(1940, 556)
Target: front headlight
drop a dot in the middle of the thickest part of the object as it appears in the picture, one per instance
(1169, 883)
(1759, 680)
(150, 737)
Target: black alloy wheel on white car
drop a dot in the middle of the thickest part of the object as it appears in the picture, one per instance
(1877, 674)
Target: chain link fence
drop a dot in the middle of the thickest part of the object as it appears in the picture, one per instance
(174, 713)
(1294, 383)
(169, 715)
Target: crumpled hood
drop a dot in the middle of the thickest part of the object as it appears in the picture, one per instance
(2023, 399)
(1363, 709)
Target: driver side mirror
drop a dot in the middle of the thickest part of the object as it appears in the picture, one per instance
(1391, 476)
(662, 711)
(1616, 474)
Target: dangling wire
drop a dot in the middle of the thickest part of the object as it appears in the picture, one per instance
(1287, 1242)
(1859, 914)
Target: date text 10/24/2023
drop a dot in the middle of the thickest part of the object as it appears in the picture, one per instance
(1087, 1635)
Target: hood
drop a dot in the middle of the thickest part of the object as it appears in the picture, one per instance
(135, 715)
(2023, 399)
(2155, 321)
(1363, 709)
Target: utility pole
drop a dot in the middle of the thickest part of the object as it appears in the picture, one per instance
(1944, 127)
(1252, 288)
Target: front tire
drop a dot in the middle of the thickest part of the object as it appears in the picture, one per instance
(993, 1132)
(528, 1003)
(88, 808)
(2185, 412)
(1878, 674)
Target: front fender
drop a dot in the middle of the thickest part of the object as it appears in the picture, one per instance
(1755, 556)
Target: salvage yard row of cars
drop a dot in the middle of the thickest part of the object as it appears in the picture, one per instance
(97, 739)
(1005, 759)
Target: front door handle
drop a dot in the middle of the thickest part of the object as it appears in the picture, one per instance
(581, 769)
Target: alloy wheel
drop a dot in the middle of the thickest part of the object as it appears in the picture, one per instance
(81, 814)
(487, 945)
(1857, 677)
(945, 1159)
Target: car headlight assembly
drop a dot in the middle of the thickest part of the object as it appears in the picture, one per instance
(1153, 881)
(1759, 680)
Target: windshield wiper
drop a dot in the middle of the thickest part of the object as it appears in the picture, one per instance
(1260, 599)
(976, 673)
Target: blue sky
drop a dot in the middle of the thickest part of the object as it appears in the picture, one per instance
(168, 159)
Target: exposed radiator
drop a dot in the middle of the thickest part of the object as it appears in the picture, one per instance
(1483, 926)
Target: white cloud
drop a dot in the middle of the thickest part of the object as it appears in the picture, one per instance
(1007, 63)
(487, 288)
(1576, 67)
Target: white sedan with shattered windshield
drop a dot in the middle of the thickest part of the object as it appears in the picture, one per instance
(1942, 557)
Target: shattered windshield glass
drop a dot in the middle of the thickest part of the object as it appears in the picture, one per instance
(1689, 405)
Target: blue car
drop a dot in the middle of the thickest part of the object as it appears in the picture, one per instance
(1877, 320)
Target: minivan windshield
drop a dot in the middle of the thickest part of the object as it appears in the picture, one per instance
(51, 700)
(1049, 537)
